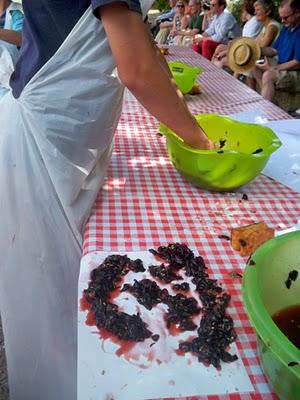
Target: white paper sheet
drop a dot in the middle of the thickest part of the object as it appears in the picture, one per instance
(284, 164)
(136, 374)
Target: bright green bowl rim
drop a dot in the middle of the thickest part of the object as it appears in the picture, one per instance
(267, 151)
(197, 69)
(258, 315)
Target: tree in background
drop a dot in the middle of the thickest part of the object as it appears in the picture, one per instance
(161, 5)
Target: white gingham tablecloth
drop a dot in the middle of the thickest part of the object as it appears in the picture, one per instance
(145, 203)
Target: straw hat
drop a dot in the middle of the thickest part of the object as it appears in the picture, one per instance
(242, 54)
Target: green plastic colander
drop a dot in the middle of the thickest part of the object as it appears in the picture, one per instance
(264, 294)
(243, 151)
(184, 74)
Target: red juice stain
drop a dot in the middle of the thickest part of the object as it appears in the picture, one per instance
(143, 366)
(124, 349)
(124, 346)
(174, 330)
(158, 258)
(179, 352)
(114, 294)
(150, 356)
(90, 319)
(84, 304)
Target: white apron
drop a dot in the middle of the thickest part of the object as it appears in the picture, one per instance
(55, 145)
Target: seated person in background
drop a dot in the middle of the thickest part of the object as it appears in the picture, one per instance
(252, 28)
(286, 74)
(264, 10)
(166, 16)
(207, 15)
(11, 24)
(180, 21)
(223, 28)
(252, 25)
(165, 28)
(185, 36)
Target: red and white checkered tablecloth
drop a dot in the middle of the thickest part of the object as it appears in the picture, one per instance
(146, 203)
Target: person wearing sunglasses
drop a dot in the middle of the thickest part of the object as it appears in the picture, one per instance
(286, 73)
(184, 37)
(223, 28)
(167, 29)
(180, 22)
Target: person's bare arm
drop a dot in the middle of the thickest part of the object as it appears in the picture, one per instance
(161, 59)
(144, 76)
(10, 36)
(188, 32)
(166, 24)
(292, 65)
(268, 51)
(269, 36)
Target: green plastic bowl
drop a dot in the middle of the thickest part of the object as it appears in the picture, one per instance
(184, 74)
(265, 293)
(229, 167)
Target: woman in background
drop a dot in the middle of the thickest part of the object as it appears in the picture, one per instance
(180, 21)
(264, 11)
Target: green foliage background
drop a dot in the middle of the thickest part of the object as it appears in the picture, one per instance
(161, 5)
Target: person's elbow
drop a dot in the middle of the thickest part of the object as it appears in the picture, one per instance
(297, 65)
(133, 77)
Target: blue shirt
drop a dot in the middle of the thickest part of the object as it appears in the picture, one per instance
(47, 24)
(17, 18)
(166, 15)
(288, 45)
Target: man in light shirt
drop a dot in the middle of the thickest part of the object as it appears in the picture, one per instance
(223, 28)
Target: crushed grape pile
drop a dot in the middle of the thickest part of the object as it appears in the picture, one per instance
(216, 330)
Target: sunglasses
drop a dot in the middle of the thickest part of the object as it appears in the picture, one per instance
(286, 18)
(180, 5)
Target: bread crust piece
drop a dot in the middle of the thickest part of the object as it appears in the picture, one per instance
(247, 239)
(196, 89)
(164, 50)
